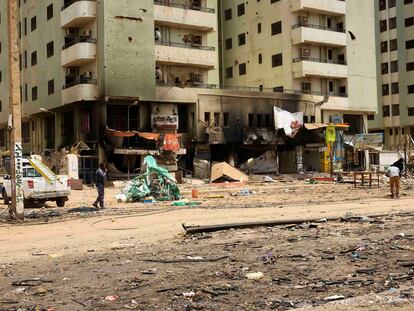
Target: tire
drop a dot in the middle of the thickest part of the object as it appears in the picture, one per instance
(5, 198)
(60, 202)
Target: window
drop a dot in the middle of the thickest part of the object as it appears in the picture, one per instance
(395, 110)
(382, 5)
(277, 60)
(391, 3)
(34, 93)
(384, 46)
(410, 66)
(25, 59)
(33, 24)
(330, 86)
(393, 45)
(409, 21)
(25, 26)
(242, 69)
(50, 87)
(410, 111)
(278, 89)
(50, 11)
(251, 118)
(396, 131)
(384, 68)
(386, 111)
(216, 119)
(50, 49)
(342, 90)
(207, 118)
(26, 92)
(383, 25)
(268, 120)
(227, 14)
(225, 119)
(229, 43)
(34, 58)
(240, 9)
(394, 66)
(229, 72)
(276, 28)
(409, 44)
(260, 58)
(273, 1)
(390, 132)
(259, 120)
(259, 27)
(371, 117)
(408, 1)
(242, 39)
(385, 89)
(393, 23)
(341, 58)
(410, 89)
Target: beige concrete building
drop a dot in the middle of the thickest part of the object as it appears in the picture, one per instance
(317, 47)
(89, 65)
(395, 42)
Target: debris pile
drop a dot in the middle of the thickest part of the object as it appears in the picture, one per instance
(155, 182)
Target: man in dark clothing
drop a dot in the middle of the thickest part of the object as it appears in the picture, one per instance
(100, 185)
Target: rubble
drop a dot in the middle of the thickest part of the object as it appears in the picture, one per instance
(156, 182)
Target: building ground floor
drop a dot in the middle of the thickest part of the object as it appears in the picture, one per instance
(187, 129)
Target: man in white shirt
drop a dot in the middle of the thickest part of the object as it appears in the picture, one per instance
(394, 174)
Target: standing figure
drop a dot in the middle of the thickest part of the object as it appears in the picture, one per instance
(394, 174)
(100, 185)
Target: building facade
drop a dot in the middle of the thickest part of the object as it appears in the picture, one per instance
(122, 76)
(317, 47)
(395, 42)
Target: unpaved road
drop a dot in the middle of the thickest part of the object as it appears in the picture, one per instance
(100, 233)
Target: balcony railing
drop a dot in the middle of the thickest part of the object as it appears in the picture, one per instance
(318, 27)
(70, 2)
(79, 40)
(250, 89)
(186, 45)
(184, 6)
(318, 60)
(80, 81)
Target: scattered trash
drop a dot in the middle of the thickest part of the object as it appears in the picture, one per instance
(189, 294)
(111, 298)
(334, 298)
(156, 182)
(225, 172)
(184, 203)
(255, 276)
(268, 258)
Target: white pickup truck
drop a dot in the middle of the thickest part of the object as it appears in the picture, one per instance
(37, 189)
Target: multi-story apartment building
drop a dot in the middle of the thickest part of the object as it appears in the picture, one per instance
(395, 41)
(88, 65)
(318, 47)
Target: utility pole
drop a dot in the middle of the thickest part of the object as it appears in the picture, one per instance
(17, 208)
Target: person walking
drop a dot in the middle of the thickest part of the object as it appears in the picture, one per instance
(394, 174)
(100, 185)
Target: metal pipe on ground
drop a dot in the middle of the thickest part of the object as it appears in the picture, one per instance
(275, 223)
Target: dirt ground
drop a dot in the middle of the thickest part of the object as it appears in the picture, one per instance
(78, 258)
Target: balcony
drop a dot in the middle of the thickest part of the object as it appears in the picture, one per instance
(328, 7)
(322, 68)
(319, 35)
(82, 89)
(182, 16)
(186, 54)
(76, 13)
(79, 52)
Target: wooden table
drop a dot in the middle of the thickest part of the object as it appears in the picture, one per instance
(366, 176)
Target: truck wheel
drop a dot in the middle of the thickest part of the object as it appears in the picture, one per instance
(60, 202)
(5, 198)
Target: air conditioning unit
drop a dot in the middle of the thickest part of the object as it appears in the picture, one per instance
(304, 20)
(71, 71)
(305, 52)
(71, 31)
(196, 77)
(306, 86)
